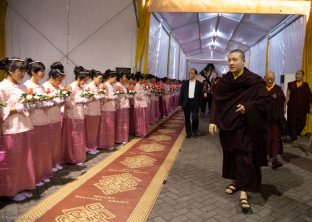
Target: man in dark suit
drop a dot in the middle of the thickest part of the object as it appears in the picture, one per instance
(190, 100)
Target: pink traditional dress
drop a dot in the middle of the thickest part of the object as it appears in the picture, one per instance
(148, 101)
(41, 151)
(74, 134)
(107, 125)
(166, 99)
(153, 107)
(92, 120)
(131, 115)
(140, 110)
(122, 116)
(55, 132)
(16, 168)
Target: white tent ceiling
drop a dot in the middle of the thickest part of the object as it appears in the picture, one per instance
(212, 35)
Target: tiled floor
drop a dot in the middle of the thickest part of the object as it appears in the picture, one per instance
(195, 189)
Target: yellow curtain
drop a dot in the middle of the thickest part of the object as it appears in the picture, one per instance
(142, 35)
(267, 55)
(307, 64)
(3, 7)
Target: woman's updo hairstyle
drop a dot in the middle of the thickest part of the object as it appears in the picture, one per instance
(12, 64)
(34, 66)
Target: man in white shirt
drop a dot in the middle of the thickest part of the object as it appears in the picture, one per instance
(190, 99)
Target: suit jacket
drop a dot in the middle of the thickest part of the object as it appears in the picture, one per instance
(185, 91)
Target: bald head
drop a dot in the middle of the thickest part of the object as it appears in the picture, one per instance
(269, 78)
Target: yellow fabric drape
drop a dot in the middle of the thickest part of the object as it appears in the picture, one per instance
(307, 64)
(267, 55)
(142, 36)
(3, 7)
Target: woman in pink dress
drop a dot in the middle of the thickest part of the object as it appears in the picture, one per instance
(166, 97)
(16, 168)
(122, 111)
(52, 87)
(140, 108)
(153, 100)
(93, 113)
(157, 99)
(131, 83)
(107, 125)
(73, 134)
(40, 119)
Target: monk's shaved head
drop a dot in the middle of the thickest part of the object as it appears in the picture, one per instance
(269, 78)
(270, 75)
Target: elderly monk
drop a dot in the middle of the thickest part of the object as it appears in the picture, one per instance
(275, 145)
(298, 100)
(241, 108)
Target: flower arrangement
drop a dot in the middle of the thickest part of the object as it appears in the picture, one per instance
(64, 92)
(30, 97)
(147, 87)
(50, 94)
(118, 91)
(87, 93)
(102, 90)
(130, 90)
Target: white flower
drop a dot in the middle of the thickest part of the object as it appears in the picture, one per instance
(64, 92)
(29, 97)
(36, 97)
(51, 94)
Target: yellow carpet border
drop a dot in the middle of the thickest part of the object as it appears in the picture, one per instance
(146, 203)
(39, 209)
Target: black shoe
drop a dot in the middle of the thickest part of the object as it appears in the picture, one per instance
(188, 136)
(195, 134)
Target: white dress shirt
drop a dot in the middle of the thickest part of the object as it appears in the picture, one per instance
(191, 89)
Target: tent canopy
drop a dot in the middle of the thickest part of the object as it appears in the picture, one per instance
(210, 36)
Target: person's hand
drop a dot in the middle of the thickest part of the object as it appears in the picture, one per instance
(274, 96)
(212, 128)
(180, 107)
(241, 109)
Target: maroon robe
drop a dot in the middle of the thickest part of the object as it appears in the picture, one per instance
(275, 145)
(298, 108)
(243, 136)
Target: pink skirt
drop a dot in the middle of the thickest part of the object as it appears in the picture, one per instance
(141, 124)
(92, 131)
(153, 112)
(165, 105)
(157, 110)
(148, 113)
(42, 153)
(122, 125)
(107, 130)
(16, 169)
(73, 140)
(131, 120)
(55, 140)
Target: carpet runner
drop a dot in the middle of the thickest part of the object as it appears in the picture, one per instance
(122, 187)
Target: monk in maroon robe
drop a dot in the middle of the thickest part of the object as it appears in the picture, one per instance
(275, 144)
(298, 100)
(240, 110)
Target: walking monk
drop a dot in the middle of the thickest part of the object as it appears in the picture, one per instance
(275, 144)
(240, 109)
(298, 102)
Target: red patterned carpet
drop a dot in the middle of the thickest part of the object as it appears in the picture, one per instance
(123, 187)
